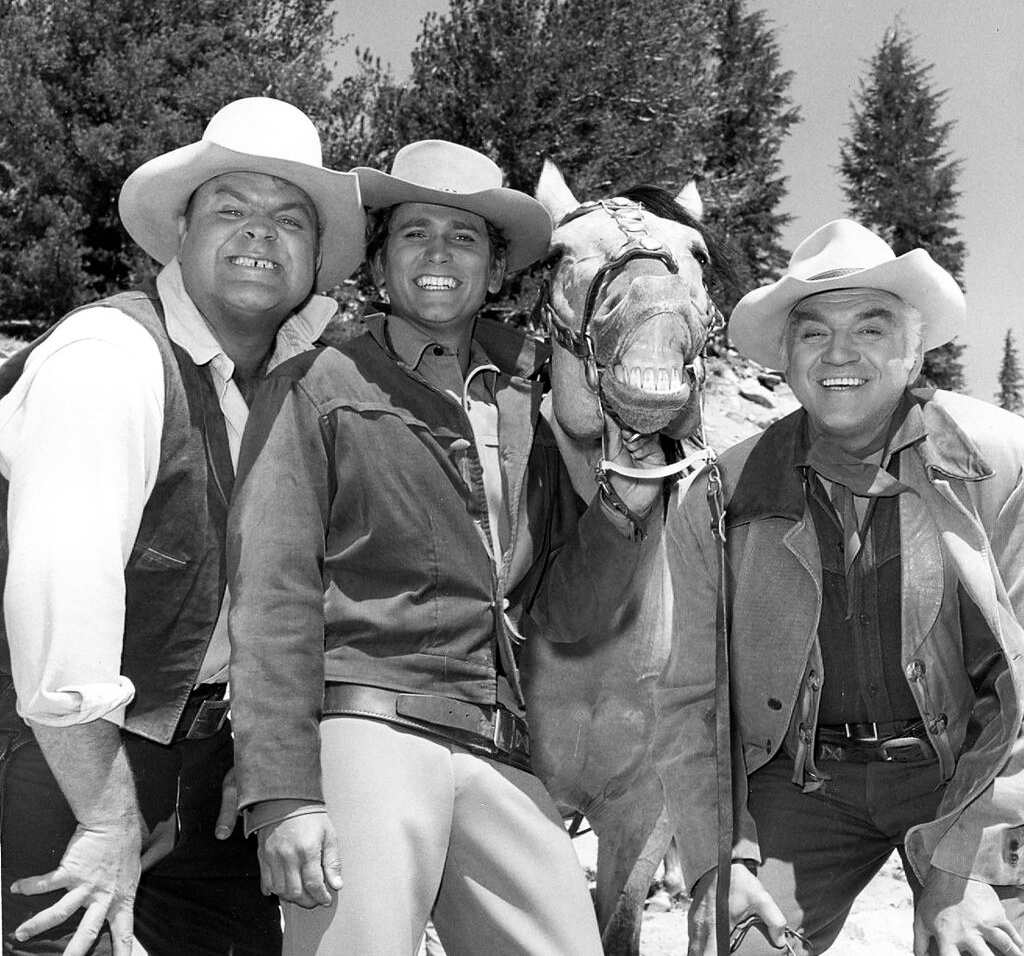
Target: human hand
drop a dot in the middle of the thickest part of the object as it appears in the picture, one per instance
(747, 898)
(100, 872)
(299, 859)
(630, 449)
(227, 816)
(962, 916)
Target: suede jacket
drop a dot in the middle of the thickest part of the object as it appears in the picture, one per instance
(358, 543)
(960, 526)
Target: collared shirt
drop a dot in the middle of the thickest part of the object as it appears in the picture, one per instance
(80, 445)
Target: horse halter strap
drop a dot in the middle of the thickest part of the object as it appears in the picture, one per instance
(638, 244)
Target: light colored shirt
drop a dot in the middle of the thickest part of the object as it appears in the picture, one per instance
(80, 445)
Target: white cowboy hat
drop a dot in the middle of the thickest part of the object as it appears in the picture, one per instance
(844, 255)
(446, 174)
(256, 134)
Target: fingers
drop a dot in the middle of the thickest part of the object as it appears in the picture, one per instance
(227, 816)
(89, 928)
(332, 862)
(54, 915)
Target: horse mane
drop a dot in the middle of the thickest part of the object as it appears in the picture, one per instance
(722, 275)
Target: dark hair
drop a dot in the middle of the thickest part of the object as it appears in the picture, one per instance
(378, 227)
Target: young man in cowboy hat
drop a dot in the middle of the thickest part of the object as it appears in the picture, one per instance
(119, 432)
(875, 584)
(382, 595)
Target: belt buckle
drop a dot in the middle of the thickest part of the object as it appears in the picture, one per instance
(860, 738)
(902, 742)
(208, 719)
(509, 734)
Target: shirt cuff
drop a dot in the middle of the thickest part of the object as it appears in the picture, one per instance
(79, 704)
(263, 814)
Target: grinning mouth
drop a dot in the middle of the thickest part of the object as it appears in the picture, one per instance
(250, 262)
(650, 378)
(437, 283)
(842, 384)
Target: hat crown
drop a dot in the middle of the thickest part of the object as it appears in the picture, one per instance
(447, 167)
(840, 247)
(261, 126)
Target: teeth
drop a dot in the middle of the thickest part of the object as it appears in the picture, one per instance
(436, 283)
(647, 378)
(847, 382)
(251, 263)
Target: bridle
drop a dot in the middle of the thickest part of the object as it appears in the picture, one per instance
(628, 216)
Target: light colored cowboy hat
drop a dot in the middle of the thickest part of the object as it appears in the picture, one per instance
(260, 135)
(844, 255)
(446, 174)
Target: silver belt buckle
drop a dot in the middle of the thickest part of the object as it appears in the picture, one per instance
(900, 743)
(208, 719)
(510, 735)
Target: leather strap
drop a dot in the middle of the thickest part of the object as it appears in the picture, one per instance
(492, 730)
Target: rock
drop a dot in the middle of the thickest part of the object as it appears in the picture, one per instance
(753, 391)
(769, 379)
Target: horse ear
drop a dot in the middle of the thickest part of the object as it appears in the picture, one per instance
(553, 193)
(689, 199)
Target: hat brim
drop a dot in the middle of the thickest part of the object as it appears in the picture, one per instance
(155, 196)
(522, 220)
(757, 325)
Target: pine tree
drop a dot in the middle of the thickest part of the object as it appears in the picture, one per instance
(616, 92)
(1010, 382)
(89, 89)
(899, 178)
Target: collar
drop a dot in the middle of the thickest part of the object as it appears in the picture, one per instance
(772, 481)
(188, 329)
(494, 343)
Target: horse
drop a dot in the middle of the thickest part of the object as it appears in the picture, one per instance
(626, 299)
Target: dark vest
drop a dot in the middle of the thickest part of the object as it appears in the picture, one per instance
(175, 576)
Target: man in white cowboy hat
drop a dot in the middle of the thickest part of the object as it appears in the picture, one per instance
(875, 585)
(383, 595)
(119, 433)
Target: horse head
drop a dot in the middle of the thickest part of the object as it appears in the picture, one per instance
(626, 301)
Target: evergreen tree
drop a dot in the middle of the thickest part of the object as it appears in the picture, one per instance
(899, 178)
(1010, 384)
(89, 89)
(616, 92)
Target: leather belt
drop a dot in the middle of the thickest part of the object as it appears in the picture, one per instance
(906, 742)
(204, 715)
(491, 730)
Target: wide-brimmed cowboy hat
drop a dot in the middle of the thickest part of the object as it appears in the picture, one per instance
(260, 135)
(844, 255)
(446, 174)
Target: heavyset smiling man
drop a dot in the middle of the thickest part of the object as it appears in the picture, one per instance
(875, 581)
(401, 503)
(119, 433)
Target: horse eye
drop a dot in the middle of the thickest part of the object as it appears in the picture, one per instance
(700, 257)
(552, 258)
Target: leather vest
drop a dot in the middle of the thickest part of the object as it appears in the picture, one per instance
(175, 576)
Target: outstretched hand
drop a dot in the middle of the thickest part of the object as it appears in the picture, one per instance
(960, 915)
(100, 872)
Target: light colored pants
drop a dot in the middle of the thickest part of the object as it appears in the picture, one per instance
(427, 828)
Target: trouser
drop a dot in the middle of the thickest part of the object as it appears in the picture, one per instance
(821, 849)
(425, 827)
(202, 899)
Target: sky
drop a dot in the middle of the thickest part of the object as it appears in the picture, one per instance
(975, 48)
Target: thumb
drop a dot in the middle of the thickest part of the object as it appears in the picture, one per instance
(331, 861)
(228, 813)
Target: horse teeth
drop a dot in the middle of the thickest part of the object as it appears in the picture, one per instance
(620, 374)
(635, 376)
(663, 385)
(649, 379)
(677, 379)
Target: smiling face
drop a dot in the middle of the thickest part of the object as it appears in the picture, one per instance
(437, 267)
(249, 251)
(851, 355)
